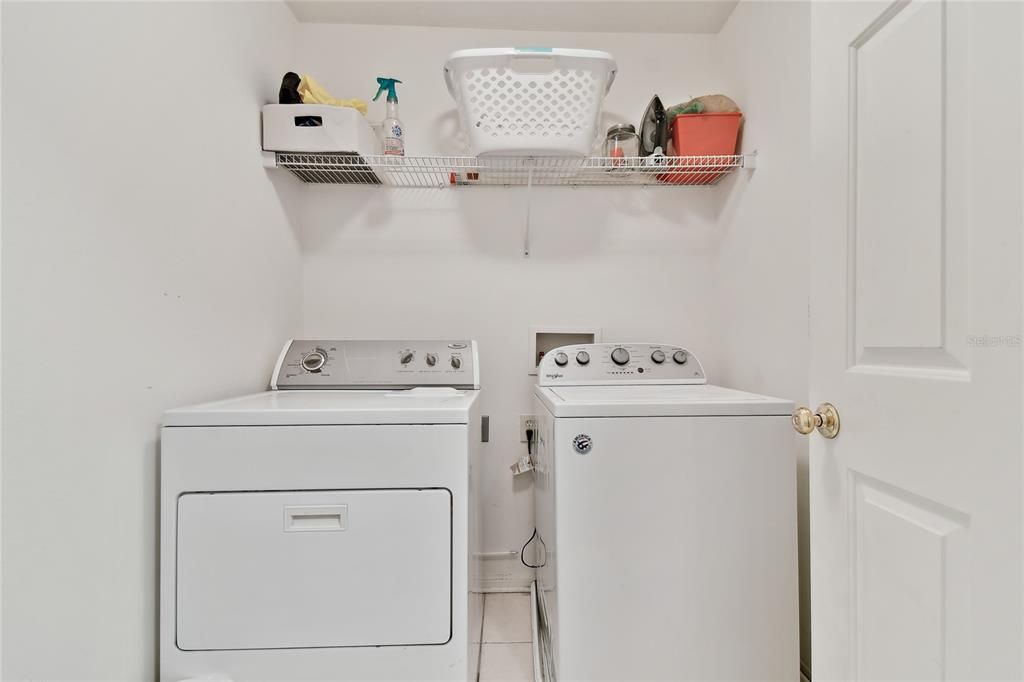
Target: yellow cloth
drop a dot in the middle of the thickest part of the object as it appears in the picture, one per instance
(314, 93)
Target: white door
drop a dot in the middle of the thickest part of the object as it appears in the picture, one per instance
(916, 324)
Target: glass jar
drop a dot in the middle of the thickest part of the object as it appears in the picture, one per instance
(621, 143)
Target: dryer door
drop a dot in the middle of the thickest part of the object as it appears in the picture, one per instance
(337, 568)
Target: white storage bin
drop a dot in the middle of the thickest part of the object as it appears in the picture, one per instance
(530, 101)
(341, 129)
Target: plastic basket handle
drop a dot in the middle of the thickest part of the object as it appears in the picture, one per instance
(536, 57)
(527, 55)
(611, 78)
(532, 62)
(449, 83)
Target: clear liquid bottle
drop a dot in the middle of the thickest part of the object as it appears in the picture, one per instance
(392, 133)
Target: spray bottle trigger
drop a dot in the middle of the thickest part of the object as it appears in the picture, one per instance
(389, 85)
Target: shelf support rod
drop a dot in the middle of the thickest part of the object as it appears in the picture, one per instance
(526, 230)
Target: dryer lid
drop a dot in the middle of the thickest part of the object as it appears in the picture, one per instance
(290, 408)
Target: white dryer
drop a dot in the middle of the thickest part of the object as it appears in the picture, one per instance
(325, 529)
(666, 521)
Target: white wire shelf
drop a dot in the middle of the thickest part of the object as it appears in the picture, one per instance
(468, 171)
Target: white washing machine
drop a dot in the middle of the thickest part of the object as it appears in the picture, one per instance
(666, 521)
(326, 529)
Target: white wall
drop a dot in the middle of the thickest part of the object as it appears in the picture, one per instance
(759, 317)
(723, 269)
(147, 263)
(427, 263)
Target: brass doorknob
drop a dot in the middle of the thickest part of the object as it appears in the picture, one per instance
(826, 420)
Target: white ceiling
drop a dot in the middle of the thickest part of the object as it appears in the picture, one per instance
(588, 16)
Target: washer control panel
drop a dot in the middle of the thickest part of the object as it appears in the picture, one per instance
(332, 364)
(599, 364)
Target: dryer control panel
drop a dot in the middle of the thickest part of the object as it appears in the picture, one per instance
(306, 364)
(599, 364)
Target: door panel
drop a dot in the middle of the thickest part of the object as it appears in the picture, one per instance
(906, 158)
(897, 218)
(916, 338)
(906, 554)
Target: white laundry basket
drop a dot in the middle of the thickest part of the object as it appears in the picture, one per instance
(530, 101)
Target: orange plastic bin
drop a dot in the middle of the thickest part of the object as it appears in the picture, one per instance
(701, 135)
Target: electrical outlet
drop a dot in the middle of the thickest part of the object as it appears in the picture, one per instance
(526, 421)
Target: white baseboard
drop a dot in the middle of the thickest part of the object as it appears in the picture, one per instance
(504, 572)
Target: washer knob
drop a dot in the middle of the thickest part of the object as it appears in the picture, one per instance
(407, 357)
(658, 357)
(431, 359)
(680, 357)
(456, 362)
(561, 359)
(583, 357)
(620, 356)
(314, 361)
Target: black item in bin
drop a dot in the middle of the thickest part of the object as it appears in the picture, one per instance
(289, 94)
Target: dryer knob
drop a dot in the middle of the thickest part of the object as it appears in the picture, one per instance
(407, 357)
(431, 359)
(680, 357)
(583, 357)
(561, 359)
(620, 356)
(456, 362)
(658, 357)
(314, 361)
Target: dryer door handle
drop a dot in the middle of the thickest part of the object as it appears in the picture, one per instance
(321, 517)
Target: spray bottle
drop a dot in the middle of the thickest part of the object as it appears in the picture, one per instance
(391, 128)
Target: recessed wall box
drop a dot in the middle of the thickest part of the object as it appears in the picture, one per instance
(543, 339)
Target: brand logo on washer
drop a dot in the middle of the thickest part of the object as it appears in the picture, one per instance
(554, 375)
(582, 443)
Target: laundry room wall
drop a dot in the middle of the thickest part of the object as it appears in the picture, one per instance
(148, 261)
(760, 266)
(427, 263)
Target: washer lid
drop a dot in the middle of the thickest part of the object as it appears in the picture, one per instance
(285, 408)
(654, 400)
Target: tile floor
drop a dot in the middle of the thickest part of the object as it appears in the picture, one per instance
(506, 653)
